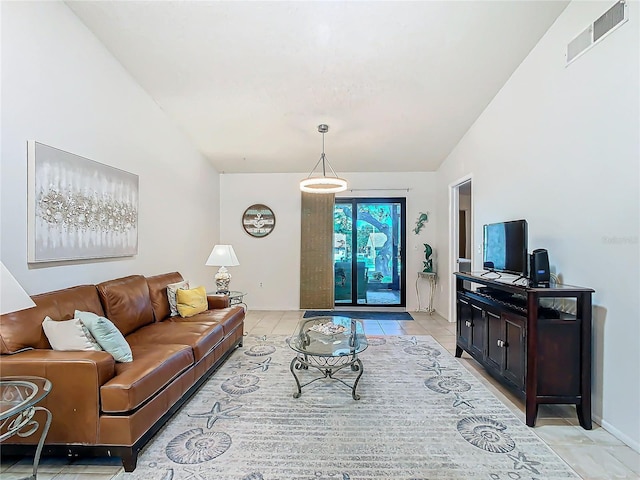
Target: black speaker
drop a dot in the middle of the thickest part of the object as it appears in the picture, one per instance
(539, 268)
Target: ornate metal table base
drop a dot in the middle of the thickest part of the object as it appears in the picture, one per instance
(18, 397)
(328, 366)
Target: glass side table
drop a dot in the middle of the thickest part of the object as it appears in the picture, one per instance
(18, 399)
(237, 298)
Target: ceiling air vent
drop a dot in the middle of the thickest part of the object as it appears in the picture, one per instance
(580, 44)
(598, 30)
(611, 19)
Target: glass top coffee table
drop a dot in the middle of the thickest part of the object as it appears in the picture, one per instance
(329, 345)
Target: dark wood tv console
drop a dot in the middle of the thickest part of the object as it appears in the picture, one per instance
(536, 341)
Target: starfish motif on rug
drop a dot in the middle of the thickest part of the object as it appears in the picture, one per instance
(411, 341)
(264, 365)
(460, 401)
(199, 474)
(215, 414)
(433, 367)
(520, 462)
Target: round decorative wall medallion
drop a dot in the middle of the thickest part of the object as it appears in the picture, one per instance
(258, 220)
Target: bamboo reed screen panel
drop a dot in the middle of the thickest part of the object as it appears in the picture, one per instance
(316, 243)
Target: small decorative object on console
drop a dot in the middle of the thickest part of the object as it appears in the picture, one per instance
(428, 263)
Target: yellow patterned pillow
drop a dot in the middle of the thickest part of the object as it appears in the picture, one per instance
(191, 301)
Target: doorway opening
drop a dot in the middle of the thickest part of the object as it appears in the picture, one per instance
(369, 252)
(460, 234)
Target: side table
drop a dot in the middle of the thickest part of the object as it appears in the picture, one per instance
(18, 397)
(236, 297)
(432, 279)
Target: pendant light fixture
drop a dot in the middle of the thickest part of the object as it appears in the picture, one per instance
(323, 183)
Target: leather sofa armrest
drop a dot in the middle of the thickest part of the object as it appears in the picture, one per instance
(217, 301)
(43, 362)
(75, 379)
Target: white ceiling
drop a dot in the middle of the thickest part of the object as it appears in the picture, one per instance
(399, 83)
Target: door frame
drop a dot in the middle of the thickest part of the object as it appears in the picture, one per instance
(402, 271)
(454, 234)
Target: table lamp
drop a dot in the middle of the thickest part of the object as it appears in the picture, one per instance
(222, 256)
(12, 295)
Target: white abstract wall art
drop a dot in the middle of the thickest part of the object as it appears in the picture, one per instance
(79, 208)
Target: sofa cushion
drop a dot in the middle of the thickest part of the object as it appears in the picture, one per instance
(191, 302)
(69, 335)
(158, 293)
(126, 302)
(230, 318)
(107, 335)
(151, 370)
(201, 336)
(23, 329)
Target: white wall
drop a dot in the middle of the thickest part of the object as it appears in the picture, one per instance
(559, 146)
(274, 260)
(62, 88)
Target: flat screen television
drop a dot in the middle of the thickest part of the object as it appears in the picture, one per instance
(505, 247)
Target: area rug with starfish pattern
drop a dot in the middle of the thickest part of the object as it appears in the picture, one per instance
(421, 415)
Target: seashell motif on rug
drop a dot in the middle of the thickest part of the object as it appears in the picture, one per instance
(260, 350)
(241, 384)
(442, 384)
(196, 446)
(486, 433)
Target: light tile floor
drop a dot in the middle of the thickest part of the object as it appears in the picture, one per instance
(594, 454)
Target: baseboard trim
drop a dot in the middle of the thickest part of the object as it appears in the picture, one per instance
(630, 442)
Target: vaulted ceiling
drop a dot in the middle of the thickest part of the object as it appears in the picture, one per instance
(399, 83)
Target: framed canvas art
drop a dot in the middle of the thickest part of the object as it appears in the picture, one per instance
(78, 208)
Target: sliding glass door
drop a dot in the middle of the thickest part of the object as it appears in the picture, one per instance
(369, 251)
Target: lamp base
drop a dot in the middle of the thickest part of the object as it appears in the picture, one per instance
(222, 278)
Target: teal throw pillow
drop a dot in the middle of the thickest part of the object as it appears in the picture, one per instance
(107, 335)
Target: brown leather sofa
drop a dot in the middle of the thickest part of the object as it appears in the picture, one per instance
(104, 408)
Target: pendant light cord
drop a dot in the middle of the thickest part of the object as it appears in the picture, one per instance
(325, 162)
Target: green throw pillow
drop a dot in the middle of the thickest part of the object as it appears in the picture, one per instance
(107, 336)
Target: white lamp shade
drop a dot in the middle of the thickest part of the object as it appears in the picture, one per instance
(12, 295)
(222, 256)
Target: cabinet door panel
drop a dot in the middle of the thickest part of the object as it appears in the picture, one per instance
(477, 340)
(495, 352)
(515, 351)
(464, 322)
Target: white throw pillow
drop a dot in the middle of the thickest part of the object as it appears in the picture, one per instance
(69, 335)
(171, 294)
